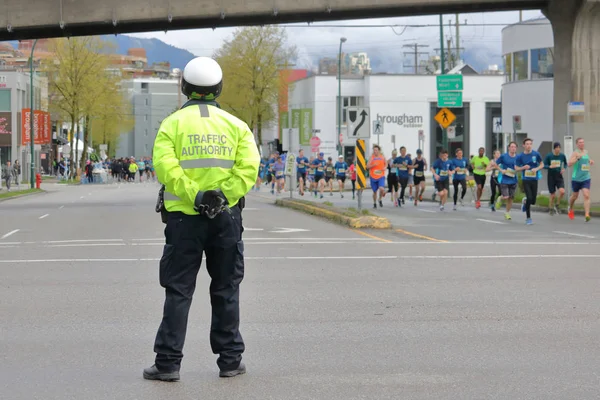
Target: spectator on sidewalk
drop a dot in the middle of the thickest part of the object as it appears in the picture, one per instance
(7, 174)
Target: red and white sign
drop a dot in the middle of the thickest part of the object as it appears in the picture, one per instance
(42, 127)
(315, 141)
(314, 149)
(341, 138)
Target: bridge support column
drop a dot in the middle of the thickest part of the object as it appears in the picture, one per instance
(576, 26)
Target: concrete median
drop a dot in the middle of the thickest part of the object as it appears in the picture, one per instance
(344, 216)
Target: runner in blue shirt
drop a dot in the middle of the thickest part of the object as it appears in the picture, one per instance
(404, 165)
(506, 165)
(530, 162)
(278, 170)
(319, 165)
(340, 173)
(460, 176)
(301, 163)
(442, 169)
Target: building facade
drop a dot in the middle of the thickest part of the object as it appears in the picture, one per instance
(152, 100)
(14, 97)
(528, 91)
(404, 104)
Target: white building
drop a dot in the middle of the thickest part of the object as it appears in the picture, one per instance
(528, 92)
(405, 104)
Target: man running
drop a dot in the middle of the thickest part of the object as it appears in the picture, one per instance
(329, 173)
(319, 166)
(419, 167)
(530, 163)
(581, 180)
(441, 169)
(555, 163)
(340, 173)
(404, 165)
(508, 180)
(494, 182)
(376, 168)
(392, 178)
(459, 177)
(352, 172)
(480, 164)
(301, 163)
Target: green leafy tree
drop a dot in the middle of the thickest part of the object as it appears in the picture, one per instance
(252, 61)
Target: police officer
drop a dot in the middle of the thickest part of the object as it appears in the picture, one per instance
(207, 161)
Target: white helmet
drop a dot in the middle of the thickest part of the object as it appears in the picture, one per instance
(202, 77)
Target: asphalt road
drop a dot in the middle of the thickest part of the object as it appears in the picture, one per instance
(327, 312)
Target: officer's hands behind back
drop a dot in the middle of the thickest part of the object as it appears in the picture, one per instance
(210, 203)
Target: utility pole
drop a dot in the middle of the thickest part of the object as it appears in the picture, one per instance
(416, 53)
(457, 38)
(442, 66)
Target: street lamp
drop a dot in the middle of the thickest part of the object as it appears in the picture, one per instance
(31, 117)
(342, 40)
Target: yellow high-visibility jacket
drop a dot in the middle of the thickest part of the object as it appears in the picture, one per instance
(199, 148)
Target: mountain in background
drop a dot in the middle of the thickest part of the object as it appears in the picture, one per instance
(156, 50)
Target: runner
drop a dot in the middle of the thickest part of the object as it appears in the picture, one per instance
(392, 178)
(581, 180)
(506, 165)
(376, 168)
(480, 164)
(261, 174)
(310, 177)
(319, 165)
(404, 165)
(420, 165)
(494, 183)
(530, 162)
(329, 173)
(301, 163)
(459, 177)
(411, 181)
(340, 173)
(441, 169)
(555, 162)
(278, 169)
(352, 171)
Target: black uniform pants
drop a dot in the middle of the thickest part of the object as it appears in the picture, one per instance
(530, 188)
(463, 185)
(187, 238)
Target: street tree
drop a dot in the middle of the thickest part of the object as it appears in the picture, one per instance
(252, 63)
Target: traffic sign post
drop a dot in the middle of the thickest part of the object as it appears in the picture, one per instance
(445, 118)
(449, 82)
(361, 169)
(377, 128)
(450, 99)
(357, 120)
(290, 164)
(449, 89)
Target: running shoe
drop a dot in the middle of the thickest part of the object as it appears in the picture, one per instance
(454, 208)
(380, 203)
(441, 208)
(556, 211)
(529, 221)
(587, 218)
(571, 214)
(507, 216)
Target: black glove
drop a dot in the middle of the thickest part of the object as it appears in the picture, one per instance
(210, 203)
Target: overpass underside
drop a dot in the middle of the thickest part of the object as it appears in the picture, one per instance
(31, 19)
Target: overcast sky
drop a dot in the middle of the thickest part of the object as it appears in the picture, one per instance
(317, 40)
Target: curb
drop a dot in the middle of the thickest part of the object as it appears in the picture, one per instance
(335, 214)
(23, 195)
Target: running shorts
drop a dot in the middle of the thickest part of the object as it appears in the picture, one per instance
(392, 180)
(480, 179)
(577, 186)
(341, 178)
(508, 190)
(411, 180)
(418, 180)
(442, 185)
(377, 183)
(318, 178)
(555, 182)
(301, 175)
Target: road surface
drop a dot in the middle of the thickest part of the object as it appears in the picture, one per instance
(327, 312)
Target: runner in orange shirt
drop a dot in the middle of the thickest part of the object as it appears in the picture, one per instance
(377, 165)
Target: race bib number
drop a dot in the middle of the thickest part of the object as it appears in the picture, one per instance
(341, 171)
(394, 170)
(403, 168)
(555, 164)
(510, 172)
(530, 174)
(443, 173)
(377, 172)
(419, 174)
(458, 171)
(480, 167)
(585, 167)
(320, 169)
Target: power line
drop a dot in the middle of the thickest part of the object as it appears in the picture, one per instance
(416, 53)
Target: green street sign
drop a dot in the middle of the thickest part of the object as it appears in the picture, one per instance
(450, 99)
(449, 82)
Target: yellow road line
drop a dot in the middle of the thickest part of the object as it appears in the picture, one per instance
(420, 236)
(371, 236)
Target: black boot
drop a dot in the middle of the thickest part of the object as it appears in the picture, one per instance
(241, 369)
(154, 374)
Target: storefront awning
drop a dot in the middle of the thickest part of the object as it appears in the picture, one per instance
(60, 140)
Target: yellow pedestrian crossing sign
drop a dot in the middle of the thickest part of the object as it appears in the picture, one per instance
(445, 118)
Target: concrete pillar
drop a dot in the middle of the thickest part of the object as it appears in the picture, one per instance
(576, 26)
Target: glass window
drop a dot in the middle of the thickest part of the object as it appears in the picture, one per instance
(521, 65)
(354, 101)
(508, 67)
(542, 63)
(5, 100)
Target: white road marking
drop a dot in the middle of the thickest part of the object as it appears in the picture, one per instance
(9, 233)
(489, 221)
(82, 197)
(575, 234)
(253, 229)
(427, 211)
(86, 244)
(83, 240)
(437, 257)
(44, 216)
(61, 207)
(289, 230)
(251, 209)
